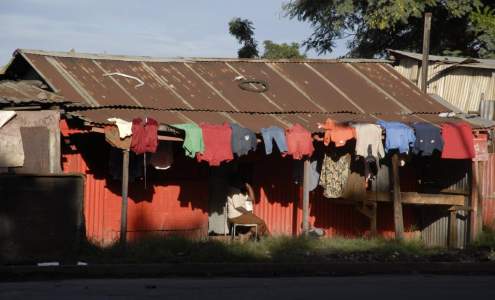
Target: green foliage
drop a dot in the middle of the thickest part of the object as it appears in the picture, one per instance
(483, 22)
(372, 26)
(243, 31)
(281, 51)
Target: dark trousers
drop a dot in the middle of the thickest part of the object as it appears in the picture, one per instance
(250, 218)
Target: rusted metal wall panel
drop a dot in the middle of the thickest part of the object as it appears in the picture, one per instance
(487, 109)
(488, 191)
(40, 217)
(435, 227)
(463, 87)
(304, 92)
(25, 92)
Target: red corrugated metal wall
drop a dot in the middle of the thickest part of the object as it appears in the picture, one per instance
(281, 208)
(176, 204)
(179, 203)
(488, 191)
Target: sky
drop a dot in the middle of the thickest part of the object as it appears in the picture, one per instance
(163, 28)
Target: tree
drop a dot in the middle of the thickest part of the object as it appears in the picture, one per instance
(243, 31)
(372, 26)
(281, 51)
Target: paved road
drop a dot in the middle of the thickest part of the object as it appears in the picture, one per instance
(366, 287)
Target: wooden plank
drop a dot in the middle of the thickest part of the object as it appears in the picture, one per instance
(426, 51)
(398, 217)
(160, 137)
(452, 242)
(125, 183)
(419, 198)
(306, 196)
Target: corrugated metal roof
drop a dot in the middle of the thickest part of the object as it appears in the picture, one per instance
(464, 61)
(24, 92)
(207, 90)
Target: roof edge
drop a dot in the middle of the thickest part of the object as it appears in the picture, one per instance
(190, 59)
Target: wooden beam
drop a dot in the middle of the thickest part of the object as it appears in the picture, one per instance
(476, 201)
(426, 51)
(419, 198)
(452, 242)
(125, 185)
(305, 217)
(398, 218)
(160, 137)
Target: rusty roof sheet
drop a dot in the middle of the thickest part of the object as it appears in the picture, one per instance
(207, 90)
(25, 92)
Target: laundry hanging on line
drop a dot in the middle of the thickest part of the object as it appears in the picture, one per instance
(218, 144)
(193, 140)
(271, 135)
(243, 140)
(299, 142)
(144, 135)
(337, 133)
(398, 136)
(428, 139)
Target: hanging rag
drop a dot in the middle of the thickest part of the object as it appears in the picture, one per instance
(136, 165)
(274, 133)
(299, 141)
(458, 141)
(193, 140)
(243, 140)
(5, 116)
(337, 133)
(218, 144)
(298, 174)
(113, 138)
(125, 128)
(144, 135)
(163, 158)
(428, 139)
(369, 140)
(334, 175)
(397, 136)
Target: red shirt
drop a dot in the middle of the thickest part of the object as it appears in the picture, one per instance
(299, 141)
(218, 144)
(459, 141)
(144, 136)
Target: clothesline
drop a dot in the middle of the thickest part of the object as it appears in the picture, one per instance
(218, 143)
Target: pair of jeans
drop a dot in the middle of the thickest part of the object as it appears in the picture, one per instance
(274, 133)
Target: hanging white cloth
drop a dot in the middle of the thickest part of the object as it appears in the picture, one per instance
(125, 128)
(5, 116)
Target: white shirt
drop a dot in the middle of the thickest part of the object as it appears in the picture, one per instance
(236, 201)
(369, 135)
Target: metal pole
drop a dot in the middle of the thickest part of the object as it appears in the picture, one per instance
(426, 51)
(398, 218)
(125, 185)
(305, 220)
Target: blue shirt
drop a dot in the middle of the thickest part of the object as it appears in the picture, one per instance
(398, 136)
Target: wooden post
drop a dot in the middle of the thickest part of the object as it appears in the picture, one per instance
(398, 218)
(452, 242)
(373, 228)
(426, 51)
(476, 202)
(479, 182)
(125, 185)
(305, 217)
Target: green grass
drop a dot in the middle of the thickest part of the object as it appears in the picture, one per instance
(276, 249)
(486, 239)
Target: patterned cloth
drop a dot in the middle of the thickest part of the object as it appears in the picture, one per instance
(334, 175)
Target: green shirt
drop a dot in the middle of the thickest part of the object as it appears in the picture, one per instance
(193, 141)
